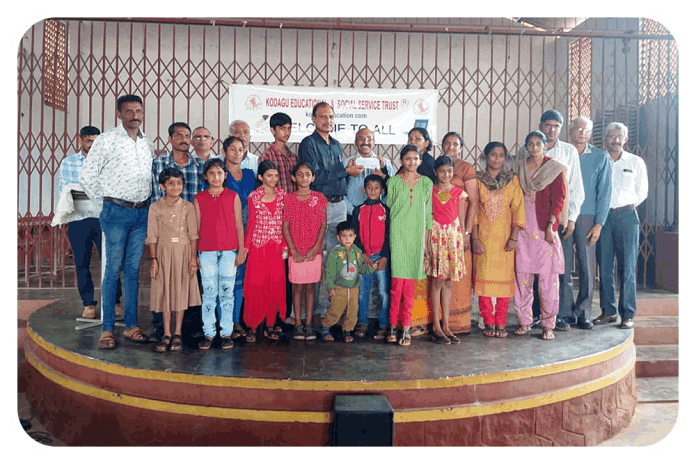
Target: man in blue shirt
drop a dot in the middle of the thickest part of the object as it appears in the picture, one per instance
(596, 169)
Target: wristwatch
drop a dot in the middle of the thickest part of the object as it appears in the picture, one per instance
(466, 232)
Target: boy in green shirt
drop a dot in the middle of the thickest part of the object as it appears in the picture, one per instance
(343, 268)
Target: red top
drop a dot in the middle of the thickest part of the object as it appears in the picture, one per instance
(304, 219)
(218, 231)
(265, 219)
(550, 201)
(447, 213)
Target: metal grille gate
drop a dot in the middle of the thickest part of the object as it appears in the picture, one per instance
(495, 77)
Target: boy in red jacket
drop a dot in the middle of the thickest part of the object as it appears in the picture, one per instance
(371, 221)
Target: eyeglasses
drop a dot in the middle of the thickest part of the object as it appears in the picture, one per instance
(201, 137)
(583, 131)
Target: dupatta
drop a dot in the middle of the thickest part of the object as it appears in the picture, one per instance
(546, 174)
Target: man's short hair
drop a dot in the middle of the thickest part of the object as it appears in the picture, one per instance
(279, 119)
(319, 105)
(612, 126)
(580, 119)
(238, 121)
(173, 127)
(89, 130)
(127, 99)
(551, 115)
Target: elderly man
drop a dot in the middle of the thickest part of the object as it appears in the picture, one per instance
(595, 166)
(119, 169)
(202, 142)
(240, 129)
(620, 234)
(355, 191)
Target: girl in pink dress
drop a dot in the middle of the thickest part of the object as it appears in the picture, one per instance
(446, 263)
(264, 282)
(304, 226)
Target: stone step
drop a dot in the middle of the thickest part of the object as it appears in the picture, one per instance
(657, 361)
(656, 330)
(658, 389)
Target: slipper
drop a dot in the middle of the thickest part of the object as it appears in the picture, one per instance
(440, 339)
(271, 335)
(417, 331)
(205, 344)
(405, 338)
(227, 343)
(251, 336)
(136, 335)
(521, 330)
(176, 345)
(163, 345)
(500, 332)
(489, 331)
(453, 338)
(107, 341)
(547, 335)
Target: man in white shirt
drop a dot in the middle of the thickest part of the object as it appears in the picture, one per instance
(355, 193)
(119, 168)
(620, 235)
(239, 128)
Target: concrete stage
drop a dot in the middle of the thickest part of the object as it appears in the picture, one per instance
(577, 390)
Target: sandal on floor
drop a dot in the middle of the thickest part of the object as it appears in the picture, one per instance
(271, 334)
(453, 338)
(251, 336)
(547, 335)
(227, 343)
(489, 331)
(205, 344)
(136, 335)
(107, 341)
(521, 330)
(391, 338)
(360, 330)
(381, 333)
(237, 332)
(417, 331)
(347, 337)
(405, 338)
(500, 332)
(440, 339)
(163, 345)
(176, 345)
(325, 334)
(277, 329)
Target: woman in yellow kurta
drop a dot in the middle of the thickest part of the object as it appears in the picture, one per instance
(499, 218)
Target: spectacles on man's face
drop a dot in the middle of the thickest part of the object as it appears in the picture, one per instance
(201, 137)
(581, 130)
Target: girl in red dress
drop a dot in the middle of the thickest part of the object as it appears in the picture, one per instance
(264, 283)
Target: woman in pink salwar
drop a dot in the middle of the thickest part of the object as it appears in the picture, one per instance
(543, 181)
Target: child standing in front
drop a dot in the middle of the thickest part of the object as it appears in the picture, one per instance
(220, 251)
(172, 235)
(264, 283)
(343, 267)
(371, 222)
(304, 226)
(446, 247)
(409, 198)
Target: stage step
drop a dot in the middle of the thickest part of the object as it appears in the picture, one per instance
(656, 336)
(658, 390)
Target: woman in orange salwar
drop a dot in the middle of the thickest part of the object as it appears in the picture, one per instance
(500, 217)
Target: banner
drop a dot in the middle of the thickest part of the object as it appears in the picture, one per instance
(390, 114)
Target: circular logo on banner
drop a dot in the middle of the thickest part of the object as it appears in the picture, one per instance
(420, 107)
(253, 102)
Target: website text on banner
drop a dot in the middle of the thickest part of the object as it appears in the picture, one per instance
(390, 114)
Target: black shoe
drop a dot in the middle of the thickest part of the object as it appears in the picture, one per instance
(536, 323)
(585, 324)
(562, 325)
(605, 319)
(627, 323)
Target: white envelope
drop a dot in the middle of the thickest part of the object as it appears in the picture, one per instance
(370, 163)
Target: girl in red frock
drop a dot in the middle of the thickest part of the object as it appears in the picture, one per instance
(264, 282)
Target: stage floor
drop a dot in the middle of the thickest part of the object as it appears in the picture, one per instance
(362, 360)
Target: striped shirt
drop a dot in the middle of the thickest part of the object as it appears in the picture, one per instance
(193, 176)
(70, 170)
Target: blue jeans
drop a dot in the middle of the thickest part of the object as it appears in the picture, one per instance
(619, 239)
(218, 273)
(124, 234)
(366, 289)
(239, 294)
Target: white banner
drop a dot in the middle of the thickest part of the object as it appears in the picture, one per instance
(390, 114)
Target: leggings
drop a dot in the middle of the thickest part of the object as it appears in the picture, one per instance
(403, 293)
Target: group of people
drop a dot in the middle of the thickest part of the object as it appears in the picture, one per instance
(252, 239)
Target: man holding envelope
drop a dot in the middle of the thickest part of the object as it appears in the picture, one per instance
(370, 164)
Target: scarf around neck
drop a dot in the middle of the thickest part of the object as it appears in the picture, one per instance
(545, 175)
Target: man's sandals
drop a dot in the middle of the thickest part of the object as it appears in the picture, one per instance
(489, 331)
(163, 345)
(136, 335)
(107, 341)
(522, 329)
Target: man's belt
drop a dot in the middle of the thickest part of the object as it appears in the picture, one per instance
(126, 204)
(335, 199)
(621, 209)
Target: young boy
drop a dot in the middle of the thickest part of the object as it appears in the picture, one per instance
(371, 222)
(343, 267)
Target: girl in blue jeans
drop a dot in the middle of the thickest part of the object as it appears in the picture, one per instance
(221, 234)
